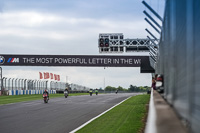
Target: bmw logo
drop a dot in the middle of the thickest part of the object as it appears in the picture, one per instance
(2, 59)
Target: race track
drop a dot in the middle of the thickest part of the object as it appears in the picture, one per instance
(60, 115)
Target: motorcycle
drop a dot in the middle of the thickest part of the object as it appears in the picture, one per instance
(45, 97)
(66, 93)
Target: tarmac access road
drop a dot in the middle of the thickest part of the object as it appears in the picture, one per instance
(60, 115)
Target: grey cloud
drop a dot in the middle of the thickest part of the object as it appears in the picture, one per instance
(74, 31)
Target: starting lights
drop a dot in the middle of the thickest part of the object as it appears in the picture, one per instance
(106, 42)
(103, 42)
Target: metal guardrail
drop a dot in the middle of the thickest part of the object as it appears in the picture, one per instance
(178, 59)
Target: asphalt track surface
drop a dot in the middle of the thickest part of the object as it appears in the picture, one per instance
(60, 115)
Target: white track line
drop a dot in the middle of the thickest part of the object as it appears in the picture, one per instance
(97, 116)
(151, 121)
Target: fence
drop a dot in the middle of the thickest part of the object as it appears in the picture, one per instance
(179, 59)
(23, 84)
(17, 86)
(28, 92)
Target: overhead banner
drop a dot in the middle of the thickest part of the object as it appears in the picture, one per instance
(74, 60)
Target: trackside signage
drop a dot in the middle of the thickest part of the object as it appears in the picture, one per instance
(73, 60)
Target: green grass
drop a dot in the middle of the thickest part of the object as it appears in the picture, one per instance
(22, 98)
(78, 94)
(127, 117)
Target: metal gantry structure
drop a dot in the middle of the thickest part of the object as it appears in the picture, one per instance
(115, 43)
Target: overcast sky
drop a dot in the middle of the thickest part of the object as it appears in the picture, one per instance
(71, 27)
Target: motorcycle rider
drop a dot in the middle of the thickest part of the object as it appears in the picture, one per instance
(90, 92)
(66, 92)
(96, 91)
(46, 92)
(116, 91)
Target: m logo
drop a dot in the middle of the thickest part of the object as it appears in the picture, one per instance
(2, 59)
(13, 60)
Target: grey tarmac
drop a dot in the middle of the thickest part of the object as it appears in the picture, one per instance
(60, 115)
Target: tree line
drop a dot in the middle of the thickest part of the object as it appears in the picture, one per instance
(132, 88)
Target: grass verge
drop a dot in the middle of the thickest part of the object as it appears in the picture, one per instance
(23, 98)
(127, 117)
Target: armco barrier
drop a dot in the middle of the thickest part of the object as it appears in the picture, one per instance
(179, 59)
(29, 92)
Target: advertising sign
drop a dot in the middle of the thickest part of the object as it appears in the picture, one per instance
(72, 60)
(77, 60)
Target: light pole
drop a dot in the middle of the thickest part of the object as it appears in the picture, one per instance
(5, 84)
(56, 85)
(12, 83)
(51, 85)
(46, 84)
(19, 84)
(2, 85)
(42, 85)
(29, 84)
(32, 84)
(36, 84)
(9, 83)
(22, 81)
(104, 84)
(25, 84)
(16, 83)
(1, 80)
